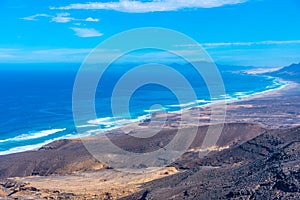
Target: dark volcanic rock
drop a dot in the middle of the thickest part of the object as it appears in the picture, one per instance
(291, 72)
(266, 167)
(233, 135)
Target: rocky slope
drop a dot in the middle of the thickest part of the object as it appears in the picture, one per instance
(59, 157)
(65, 169)
(291, 72)
(255, 164)
(70, 156)
(266, 167)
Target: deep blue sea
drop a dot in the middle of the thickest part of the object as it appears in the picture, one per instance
(36, 100)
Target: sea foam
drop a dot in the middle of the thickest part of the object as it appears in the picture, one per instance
(34, 135)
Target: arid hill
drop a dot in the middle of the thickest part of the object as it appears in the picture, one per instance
(265, 167)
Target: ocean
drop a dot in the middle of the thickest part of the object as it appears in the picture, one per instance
(36, 101)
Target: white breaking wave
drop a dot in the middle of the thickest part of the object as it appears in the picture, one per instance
(153, 110)
(202, 101)
(33, 146)
(34, 135)
(183, 105)
(240, 94)
(108, 124)
(86, 125)
(99, 121)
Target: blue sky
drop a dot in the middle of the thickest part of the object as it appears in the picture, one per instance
(236, 32)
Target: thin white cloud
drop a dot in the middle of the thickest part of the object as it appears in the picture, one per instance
(226, 44)
(43, 55)
(64, 51)
(90, 19)
(60, 18)
(281, 42)
(7, 53)
(134, 6)
(35, 17)
(267, 42)
(86, 32)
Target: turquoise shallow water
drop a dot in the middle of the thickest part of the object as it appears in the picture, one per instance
(36, 100)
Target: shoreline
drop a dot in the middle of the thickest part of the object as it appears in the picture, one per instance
(267, 93)
(60, 168)
(287, 86)
(135, 124)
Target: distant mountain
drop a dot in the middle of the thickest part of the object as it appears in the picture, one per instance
(291, 72)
